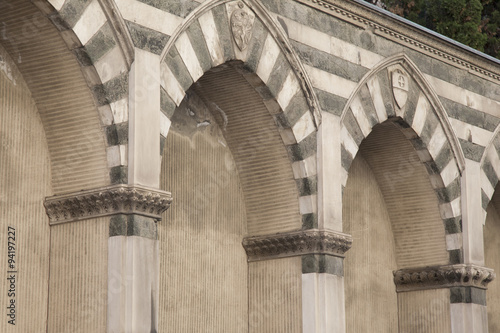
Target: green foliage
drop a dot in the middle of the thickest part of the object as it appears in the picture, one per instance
(491, 26)
(459, 20)
(472, 22)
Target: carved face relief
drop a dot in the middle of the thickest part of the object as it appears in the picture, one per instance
(400, 83)
(241, 27)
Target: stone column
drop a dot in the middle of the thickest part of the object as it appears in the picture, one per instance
(440, 299)
(133, 266)
(318, 257)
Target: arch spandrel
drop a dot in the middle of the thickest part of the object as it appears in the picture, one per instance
(395, 91)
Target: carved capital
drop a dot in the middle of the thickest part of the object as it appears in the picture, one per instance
(297, 243)
(461, 275)
(110, 200)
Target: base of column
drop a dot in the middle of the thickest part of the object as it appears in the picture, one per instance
(133, 276)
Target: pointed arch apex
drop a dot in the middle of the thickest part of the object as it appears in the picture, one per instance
(272, 29)
(426, 90)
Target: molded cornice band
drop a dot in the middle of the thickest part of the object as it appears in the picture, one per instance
(105, 201)
(436, 277)
(402, 31)
(297, 243)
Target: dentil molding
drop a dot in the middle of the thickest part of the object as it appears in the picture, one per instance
(105, 201)
(461, 275)
(297, 243)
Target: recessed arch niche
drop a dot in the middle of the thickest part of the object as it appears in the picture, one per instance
(391, 210)
(230, 176)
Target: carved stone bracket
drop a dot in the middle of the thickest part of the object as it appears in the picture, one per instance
(461, 275)
(110, 200)
(297, 243)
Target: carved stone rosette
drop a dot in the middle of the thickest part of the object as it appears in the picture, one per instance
(297, 243)
(461, 275)
(110, 200)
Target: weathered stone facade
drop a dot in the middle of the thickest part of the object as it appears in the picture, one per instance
(244, 166)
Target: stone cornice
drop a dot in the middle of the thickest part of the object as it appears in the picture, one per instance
(110, 200)
(461, 275)
(297, 243)
(395, 29)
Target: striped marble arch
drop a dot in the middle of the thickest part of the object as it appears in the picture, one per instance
(205, 41)
(490, 171)
(395, 90)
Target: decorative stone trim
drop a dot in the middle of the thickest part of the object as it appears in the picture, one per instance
(110, 200)
(120, 30)
(432, 46)
(297, 243)
(436, 277)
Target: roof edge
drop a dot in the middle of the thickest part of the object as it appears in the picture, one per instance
(410, 34)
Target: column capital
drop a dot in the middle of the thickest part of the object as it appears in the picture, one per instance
(446, 276)
(106, 201)
(297, 243)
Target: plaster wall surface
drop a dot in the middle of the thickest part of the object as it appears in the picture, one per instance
(411, 202)
(251, 131)
(24, 182)
(78, 290)
(371, 301)
(275, 296)
(203, 268)
(424, 311)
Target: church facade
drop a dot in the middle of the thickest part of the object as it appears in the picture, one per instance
(244, 166)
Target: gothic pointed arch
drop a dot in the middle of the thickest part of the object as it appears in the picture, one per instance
(254, 38)
(51, 53)
(219, 36)
(396, 91)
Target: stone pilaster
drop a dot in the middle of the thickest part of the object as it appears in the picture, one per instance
(320, 254)
(133, 274)
(470, 316)
(133, 262)
(144, 157)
